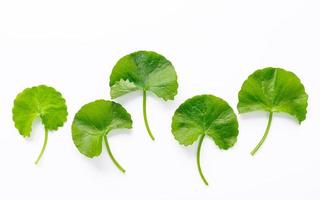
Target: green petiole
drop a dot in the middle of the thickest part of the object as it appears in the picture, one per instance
(43, 147)
(112, 157)
(145, 114)
(254, 151)
(198, 160)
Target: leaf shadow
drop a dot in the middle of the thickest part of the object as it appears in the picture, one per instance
(169, 105)
(254, 115)
(190, 151)
(99, 163)
(127, 98)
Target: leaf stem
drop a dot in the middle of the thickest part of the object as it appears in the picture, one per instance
(43, 147)
(254, 151)
(145, 115)
(198, 160)
(111, 155)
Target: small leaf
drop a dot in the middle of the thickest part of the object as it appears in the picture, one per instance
(93, 122)
(43, 102)
(273, 90)
(144, 71)
(205, 115)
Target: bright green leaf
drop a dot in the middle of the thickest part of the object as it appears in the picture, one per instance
(273, 90)
(122, 87)
(43, 102)
(144, 71)
(92, 124)
(205, 115)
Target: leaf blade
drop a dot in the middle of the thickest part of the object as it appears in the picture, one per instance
(205, 114)
(39, 101)
(145, 70)
(274, 90)
(94, 121)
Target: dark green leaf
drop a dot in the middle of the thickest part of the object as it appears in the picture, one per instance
(144, 71)
(273, 90)
(205, 115)
(93, 122)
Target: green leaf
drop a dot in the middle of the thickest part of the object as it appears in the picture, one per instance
(205, 115)
(122, 87)
(93, 122)
(144, 71)
(273, 90)
(43, 102)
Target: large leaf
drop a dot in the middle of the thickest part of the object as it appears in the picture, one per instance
(144, 71)
(205, 115)
(93, 122)
(273, 90)
(43, 102)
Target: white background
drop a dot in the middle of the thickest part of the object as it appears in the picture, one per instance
(214, 45)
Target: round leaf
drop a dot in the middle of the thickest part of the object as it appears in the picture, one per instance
(144, 70)
(205, 114)
(94, 121)
(274, 90)
(41, 101)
